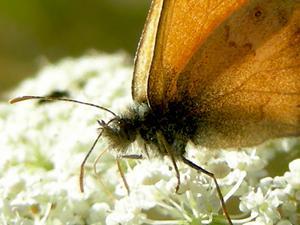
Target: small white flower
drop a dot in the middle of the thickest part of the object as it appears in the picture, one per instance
(293, 177)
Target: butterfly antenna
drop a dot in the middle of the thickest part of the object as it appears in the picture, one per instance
(29, 97)
(81, 176)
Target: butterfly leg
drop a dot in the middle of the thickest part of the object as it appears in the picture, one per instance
(198, 168)
(123, 176)
(163, 143)
(131, 156)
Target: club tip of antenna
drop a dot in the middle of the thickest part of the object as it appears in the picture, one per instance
(14, 100)
(19, 99)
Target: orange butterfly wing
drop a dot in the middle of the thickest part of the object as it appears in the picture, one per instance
(167, 42)
(145, 53)
(246, 76)
(240, 67)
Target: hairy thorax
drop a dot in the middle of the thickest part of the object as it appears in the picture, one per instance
(139, 123)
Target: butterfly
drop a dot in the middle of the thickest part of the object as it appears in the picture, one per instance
(221, 74)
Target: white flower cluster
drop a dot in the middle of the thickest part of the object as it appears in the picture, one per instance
(43, 145)
(275, 200)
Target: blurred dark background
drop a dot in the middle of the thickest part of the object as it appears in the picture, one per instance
(53, 29)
